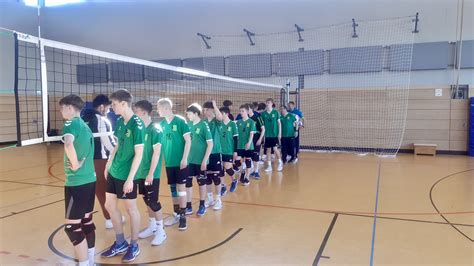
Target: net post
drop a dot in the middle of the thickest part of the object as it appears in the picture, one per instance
(15, 89)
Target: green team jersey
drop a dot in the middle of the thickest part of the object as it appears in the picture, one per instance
(173, 144)
(244, 129)
(228, 132)
(84, 146)
(270, 121)
(153, 137)
(200, 135)
(215, 128)
(288, 125)
(128, 135)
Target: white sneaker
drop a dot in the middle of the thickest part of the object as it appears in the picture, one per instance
(260, 162)
(171, 220)
(147, 232)
(295, 161)
(280, 167)
(109, 224)
(209, 202)
(269, 169)
(160, 236)
(217, 205)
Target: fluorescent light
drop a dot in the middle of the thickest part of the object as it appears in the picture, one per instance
(50, 3)
(61, 2)
(33, 3)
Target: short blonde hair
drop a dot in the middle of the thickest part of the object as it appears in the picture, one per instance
(165, 102)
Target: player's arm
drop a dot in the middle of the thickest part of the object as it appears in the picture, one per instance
(262, 134)
(187, 148)
(210, 144)
(154, 162)
(218, 113)
(108, 140)
(70, 151)
(247, 146)
(279, 129)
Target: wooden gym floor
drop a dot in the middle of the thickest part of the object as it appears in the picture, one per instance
(319, 211)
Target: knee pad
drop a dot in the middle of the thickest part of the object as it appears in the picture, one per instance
(230, 172)
(181, 193)
(248, 163)
(174, 194)
(238, 163)
(202, 181)
(154, 206)
(75, 233)
(209, 179)
(255, 156)
(89, 231)
(214, 178)
(189, 182)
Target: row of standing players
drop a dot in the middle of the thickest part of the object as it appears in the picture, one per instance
(206, 149)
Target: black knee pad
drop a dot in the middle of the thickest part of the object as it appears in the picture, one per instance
(154, 206)
(189, 182)
(202, 178)
(89, 231)
(255, 157)
(230, 172)
(213, 178)
(216, 179)
(248, 163)
(75, 233)
(238, 163)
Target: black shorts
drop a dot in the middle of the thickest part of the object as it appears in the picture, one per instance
(195, 170)
(115, 186)
(215, 163)
(245, 153)
(176, 175)
(227, 158)
(79, 200)
(154, 187)
(271, 142)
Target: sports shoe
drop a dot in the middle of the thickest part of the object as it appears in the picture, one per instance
(246, 182)
(269, 169)
(132, 253)
(242, 177)
(223, 190)
(115, 250)
(218, 205)
(182, 223)
(201, 211)
(256, 175)
(147, 232)
(233, 185)
(280, 166)
(209, 202)
(171, 220)
(160, 237)
(252, 174)
(189, 211)
(296, 160)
